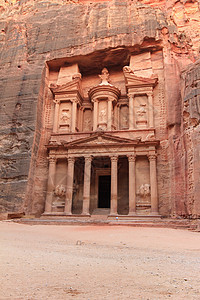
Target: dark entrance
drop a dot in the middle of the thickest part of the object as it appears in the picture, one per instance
(104, 191)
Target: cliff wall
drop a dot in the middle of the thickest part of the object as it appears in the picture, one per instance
(35, 32)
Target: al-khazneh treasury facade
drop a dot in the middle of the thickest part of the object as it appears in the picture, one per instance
(56, 113)
(102, 149)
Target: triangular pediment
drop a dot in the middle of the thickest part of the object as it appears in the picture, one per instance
(137, 81)
(68, 87)
(99, 139)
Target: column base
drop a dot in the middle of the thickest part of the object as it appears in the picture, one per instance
(113, 215)
(67, 214)
(83, 214)
(154, 213)
(132, 214)
(47, 213)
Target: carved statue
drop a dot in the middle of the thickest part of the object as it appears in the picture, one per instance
(104, 77)
(65, 117)
(127, 69)
(125, 121)
(87, 124)
(144, 190)
(102, 115)
(141, 112)
(60, 191)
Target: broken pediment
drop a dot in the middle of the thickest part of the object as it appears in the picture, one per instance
(131, 80)
(72, 86)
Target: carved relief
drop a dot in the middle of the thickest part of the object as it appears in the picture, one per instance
(60, 191)
(87, 121)
(144, 190)
(141, 111)
(59, 201)
(87, 124)
(65, 117)
(144, 197)
(124, 117)
(102, 115)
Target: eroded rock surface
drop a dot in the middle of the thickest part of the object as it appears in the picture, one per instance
(35, 32)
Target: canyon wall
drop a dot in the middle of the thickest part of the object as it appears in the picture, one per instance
(35, 34)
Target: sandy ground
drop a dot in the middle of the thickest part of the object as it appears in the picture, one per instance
(98, 262)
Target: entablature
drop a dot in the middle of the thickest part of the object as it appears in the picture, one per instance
(103, 144)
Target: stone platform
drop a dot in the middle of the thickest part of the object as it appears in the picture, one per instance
(102, 220)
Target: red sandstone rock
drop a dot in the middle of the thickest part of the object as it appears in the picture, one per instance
(96, 35)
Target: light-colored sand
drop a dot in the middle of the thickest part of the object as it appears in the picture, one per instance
(98, 262)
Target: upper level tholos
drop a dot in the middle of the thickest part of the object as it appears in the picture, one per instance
(123, 101)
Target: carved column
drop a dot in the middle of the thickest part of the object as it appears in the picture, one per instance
(56, 115)
(113, 200)
(74, 115)
(50, 184)
(131, 117)
(70, 182)
(95, 115)
(132, 185)
(153, 183)
(86, 187)
(109, 124)
(118, 117)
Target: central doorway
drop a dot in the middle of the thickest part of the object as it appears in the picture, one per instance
(104, 191)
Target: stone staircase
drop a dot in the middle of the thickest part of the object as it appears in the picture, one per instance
(101, 211)
(102, 220)
(100, 214)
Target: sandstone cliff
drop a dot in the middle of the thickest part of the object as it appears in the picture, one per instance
(35, 32)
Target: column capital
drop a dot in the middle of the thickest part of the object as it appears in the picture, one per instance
(71, 159)
(88, 158)
(52, 159)
(74, 100)
(114, 158)
(130, 95)
(111, 99)
(149, 94)
(152, 157)
(131, 157)
(94, 100)
(56, 101)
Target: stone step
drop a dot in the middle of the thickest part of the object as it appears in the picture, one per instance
(101, 211)
(179, 224)
(99, 217)
(151, 224)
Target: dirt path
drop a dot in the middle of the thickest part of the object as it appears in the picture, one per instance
(98, 262)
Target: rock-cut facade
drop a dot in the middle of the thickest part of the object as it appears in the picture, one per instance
(100, 108)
